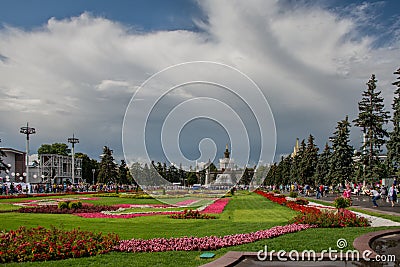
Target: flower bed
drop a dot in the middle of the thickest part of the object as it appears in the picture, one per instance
(331, 219)
(315, 216)
(55, 210)
(123, 216)
(204, 243)
(40, 244)
(216, 207)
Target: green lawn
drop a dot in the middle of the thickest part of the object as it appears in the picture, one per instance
(244, 213)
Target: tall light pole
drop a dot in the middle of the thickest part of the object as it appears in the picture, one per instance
(27, 131)
(93, 171)
(73, 141)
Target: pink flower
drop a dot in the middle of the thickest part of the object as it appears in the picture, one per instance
(204, 243)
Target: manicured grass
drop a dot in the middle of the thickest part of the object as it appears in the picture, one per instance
(244, 213)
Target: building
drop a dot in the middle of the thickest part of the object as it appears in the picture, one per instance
(58, 169)
(15, 159)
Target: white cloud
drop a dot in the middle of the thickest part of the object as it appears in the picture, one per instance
(78, 74)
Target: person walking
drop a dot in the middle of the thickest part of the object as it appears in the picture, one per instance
(392, 194)
(375, 196)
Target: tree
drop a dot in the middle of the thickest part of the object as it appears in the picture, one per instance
(371, 119)
(393, 144)
(341, 161)
(88, 165)
(295, 167)
(3, 166)
(56, 148)
(285, 164)
(300, 164)
(108, 169)
(123, 173)
(321, 175)
(309, 161)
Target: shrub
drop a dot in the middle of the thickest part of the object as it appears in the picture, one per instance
(293, 194)
(342, 202)
(276, 191)
(74, 205)
(62, 205)
(191, 214)
(302, 201)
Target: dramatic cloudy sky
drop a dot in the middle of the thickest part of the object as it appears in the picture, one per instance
(73, 66)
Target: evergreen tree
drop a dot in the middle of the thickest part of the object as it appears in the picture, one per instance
(296, 166)
(123, 173)
(309, 161)
(3, 166)
(286, 163)
(371, 119)
(108, 169)
(341, 161)
(393, 144)
(301, 163)
(322, 169)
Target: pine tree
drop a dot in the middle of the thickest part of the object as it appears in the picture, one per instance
(322, 169)
(123, 173)
(309, 161)
(371, 119)
(108, 169)
(301, 167)
(393, 144)
(285, 171)
(3, 166)
(341, 161)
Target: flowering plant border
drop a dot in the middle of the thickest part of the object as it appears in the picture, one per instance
(207, 242)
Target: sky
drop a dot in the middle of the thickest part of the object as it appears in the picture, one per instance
(86, 67)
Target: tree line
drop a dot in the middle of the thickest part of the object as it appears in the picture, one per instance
(339, 162)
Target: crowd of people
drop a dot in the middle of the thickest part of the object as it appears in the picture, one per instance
(377, 191)
(40, 188)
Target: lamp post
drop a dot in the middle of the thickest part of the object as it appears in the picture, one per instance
(73, 141)
(27, 131)
(93, 171)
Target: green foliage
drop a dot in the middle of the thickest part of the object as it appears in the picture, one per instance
(393, 144)
(321, 175)
(192, 214)
(108, 169)
(371, 119)
(56, 148)
(63, 205)
(74, 205)
(302, 201)
(341, 160)
(88, 165)
(309, 161)
(293, 194)
(342, 202)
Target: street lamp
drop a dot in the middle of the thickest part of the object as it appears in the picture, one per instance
(73, 141)
(27, 131)
(93, 171)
